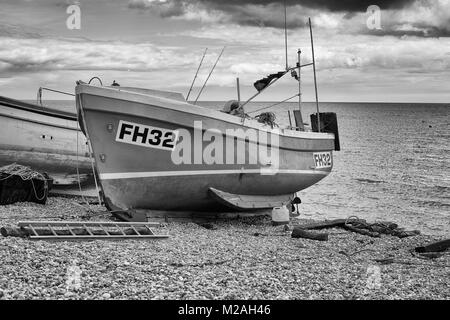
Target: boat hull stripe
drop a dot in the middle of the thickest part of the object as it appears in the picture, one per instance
(133, 175)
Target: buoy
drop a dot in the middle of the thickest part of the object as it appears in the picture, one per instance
(280, 216)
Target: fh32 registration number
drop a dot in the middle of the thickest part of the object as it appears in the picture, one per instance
(146, 136)
(322, 160)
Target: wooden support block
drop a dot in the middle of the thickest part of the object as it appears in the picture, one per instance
(307, 234)
(435, 247)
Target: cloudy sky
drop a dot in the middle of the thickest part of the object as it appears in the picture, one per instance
(158, 44)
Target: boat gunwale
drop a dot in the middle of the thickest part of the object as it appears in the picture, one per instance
(21, 105)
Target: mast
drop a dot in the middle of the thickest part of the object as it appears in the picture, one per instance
(238, 91)
(285, 35)
(209, 75)
(315, 79)
(195, 77)
(300, 125)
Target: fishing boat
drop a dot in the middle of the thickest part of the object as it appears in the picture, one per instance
(44, 139)
(155, 151)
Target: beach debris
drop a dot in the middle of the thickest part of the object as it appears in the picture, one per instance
(385, 261)
(360, 226)
(22, 184)
(324, 224)
(307, 234)
(280, 216)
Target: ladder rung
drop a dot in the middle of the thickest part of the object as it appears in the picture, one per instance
(137, 232)
(70, 230)
(87, 230)
(120, 229)
(51, 229)
(32, 229)
(103, 228)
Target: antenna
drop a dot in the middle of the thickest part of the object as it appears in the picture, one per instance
(195, 77)
(315, 80)
(209, 75)
(285, 35)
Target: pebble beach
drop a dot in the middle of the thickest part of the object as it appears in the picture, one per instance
(236, 259)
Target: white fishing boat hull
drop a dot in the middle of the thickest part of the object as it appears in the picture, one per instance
(135, 174)
(44, 139)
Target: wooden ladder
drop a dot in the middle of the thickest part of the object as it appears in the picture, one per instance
(99, 230)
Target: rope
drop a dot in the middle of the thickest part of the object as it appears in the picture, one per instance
(90, 157)
(78, 171)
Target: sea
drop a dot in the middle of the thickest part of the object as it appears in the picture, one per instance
(394, 163)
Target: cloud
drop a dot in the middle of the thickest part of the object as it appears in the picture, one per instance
(425, 18)
(360, 52)
(27, 55)
(330, 5)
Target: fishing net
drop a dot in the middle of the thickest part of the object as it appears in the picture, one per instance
(267, 118)
(20, 183)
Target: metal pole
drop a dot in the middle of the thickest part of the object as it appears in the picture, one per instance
(315, 79)
(285, 35)
(195, 77)
(238, 91)
(209, 75)
(300, 125)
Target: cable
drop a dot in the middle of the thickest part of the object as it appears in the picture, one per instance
(272, 105)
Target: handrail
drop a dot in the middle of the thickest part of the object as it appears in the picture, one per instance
(39, 94)
(99, 80)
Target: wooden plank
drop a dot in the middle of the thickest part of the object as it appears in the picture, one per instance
(306, 234)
